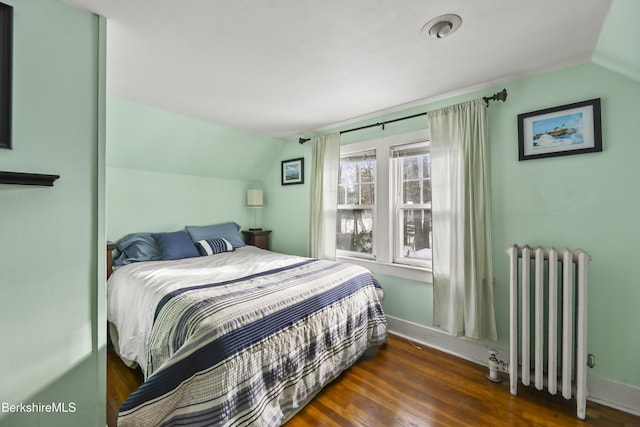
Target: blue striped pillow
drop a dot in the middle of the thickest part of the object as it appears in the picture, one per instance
(214, 246)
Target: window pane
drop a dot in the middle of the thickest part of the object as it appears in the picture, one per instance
(426, 190)
(353, 196)
(355, 230)
(342, 194)
(411, 167)
(411, 191)
(347, 173)
(367, 196)
(416, 233)
(426, 165)
(367, 171)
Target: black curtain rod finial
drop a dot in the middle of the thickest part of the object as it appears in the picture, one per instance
(303, 140)
(500, 96)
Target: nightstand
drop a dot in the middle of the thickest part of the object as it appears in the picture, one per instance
(258, 238)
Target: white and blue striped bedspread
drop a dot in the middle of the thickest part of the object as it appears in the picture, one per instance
(255, 348)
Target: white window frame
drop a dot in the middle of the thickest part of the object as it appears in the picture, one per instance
(384, 209)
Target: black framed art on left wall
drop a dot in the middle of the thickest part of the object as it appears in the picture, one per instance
(6, 69)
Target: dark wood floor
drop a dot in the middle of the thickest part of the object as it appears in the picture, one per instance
(403, 385)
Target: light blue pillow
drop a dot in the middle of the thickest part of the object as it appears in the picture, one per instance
(227, 230)
(176, 245)
(137, 247)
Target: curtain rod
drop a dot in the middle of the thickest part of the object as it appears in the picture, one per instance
(500, 96)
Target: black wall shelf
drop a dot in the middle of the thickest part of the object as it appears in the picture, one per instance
(21, 178)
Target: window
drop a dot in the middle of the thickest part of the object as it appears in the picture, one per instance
(356, 203)
(412, 203)
(384, 205)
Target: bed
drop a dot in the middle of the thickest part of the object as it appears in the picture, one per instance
(237, 335)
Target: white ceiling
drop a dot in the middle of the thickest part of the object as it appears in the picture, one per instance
(287, 67)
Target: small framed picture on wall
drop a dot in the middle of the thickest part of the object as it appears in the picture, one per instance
(292, 171)
(560, 131)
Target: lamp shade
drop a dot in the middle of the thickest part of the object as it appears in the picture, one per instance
(254, 198)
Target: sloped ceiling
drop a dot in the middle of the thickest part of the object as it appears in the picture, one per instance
(618, 47)
(284, 68)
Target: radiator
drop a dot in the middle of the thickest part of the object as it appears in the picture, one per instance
(548, 321)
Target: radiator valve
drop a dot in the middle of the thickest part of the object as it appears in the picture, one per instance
(494, 364)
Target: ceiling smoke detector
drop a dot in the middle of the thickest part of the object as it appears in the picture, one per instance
(442, 26)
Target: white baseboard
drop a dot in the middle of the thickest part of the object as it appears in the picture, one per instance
(616, 395)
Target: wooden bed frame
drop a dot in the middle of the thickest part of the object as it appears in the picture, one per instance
(110, 248)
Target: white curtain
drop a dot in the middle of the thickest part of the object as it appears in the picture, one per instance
(324, 195)
(462, 272)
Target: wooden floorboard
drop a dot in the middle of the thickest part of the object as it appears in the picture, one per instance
(409, 385)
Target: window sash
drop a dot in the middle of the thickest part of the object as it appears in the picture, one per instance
(403, 239)
(358, 194)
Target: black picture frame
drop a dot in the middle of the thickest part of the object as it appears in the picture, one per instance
(6, 69)
(292, 171)
(560, 131)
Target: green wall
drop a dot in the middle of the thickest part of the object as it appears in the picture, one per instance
(144, 201)
(50, 312)
(287, 214)
(166, 170)
(584, 201)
